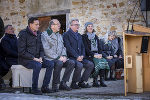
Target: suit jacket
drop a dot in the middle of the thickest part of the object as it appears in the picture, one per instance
(74, 44)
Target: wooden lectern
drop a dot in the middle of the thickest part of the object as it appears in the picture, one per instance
(137, 64)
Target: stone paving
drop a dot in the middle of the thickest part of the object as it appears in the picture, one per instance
(115, 90)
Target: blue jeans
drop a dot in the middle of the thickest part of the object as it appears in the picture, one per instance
(36, 66)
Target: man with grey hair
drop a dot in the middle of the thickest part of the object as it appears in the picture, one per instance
(54, 50)
(76, 51)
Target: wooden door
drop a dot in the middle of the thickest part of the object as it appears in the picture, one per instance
(44, 22)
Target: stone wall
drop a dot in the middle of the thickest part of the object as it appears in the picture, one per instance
(107, 15)
(16, 12)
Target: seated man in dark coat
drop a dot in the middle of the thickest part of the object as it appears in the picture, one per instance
(31, 55)
(76, 51)
(10, 46)
(9, 50)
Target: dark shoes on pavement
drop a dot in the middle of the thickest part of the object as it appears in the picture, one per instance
(63, 86)
(43, 90)
(102, 82)
(46, 90)
(74, 85)
(83, 85)
(36, 92)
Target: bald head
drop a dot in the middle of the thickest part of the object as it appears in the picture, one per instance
(55, 25)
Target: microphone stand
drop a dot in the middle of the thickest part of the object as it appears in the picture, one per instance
(131, 16)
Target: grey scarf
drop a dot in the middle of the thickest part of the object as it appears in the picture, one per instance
(115, 45)
(91, 37)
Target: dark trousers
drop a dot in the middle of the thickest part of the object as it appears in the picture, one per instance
(88, 65)
(3, 68)
(36, 66)
(57, 71)
(69, 66)
(120, 63)
(5, 65)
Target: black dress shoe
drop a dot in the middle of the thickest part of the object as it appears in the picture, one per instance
(36, 92)
(74, 86)
(83, 85)
(46, 90)
(103, 84)
(95, 84)
(63, 86)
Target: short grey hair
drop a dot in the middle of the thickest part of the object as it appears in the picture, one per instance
(73, 19)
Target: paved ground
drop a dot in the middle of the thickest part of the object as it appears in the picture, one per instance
(115, 90)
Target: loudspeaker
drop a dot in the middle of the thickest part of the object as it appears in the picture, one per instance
(144, 46)
(145, 5)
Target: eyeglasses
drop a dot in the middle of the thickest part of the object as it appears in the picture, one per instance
(75, 25)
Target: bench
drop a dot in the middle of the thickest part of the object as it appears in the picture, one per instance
(22, 77)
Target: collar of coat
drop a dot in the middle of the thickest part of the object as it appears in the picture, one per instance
(29, 31)
(10, 35)
(50, 31)
(74, 34)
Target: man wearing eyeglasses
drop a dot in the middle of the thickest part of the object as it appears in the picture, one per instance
(54, 50)
(76, 51)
